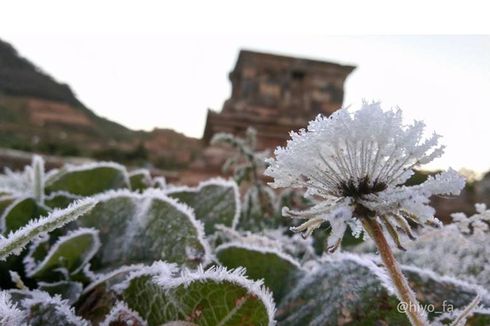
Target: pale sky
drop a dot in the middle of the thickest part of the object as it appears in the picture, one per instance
(147, 68)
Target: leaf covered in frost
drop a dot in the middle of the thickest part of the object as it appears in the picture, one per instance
(98, 297)
(354, 290)
(60, 199)
(42, 309)
(140, 180)
(122, 315)
(89, 179)
(142, 228)
(462, 247)
(71, 252)
(19, 213)
(214, 201)
(10, 314)
(68, 290)
(278, 270)
(213, 297)
(16, 241)
(445, 291)
(342, 289)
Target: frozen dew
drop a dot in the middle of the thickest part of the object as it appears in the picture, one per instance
(27, 183)
(354, 165)
(10, 314)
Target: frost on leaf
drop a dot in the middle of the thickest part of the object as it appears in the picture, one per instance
(214, 201)
(122, 315)
(60, 199)
(140, 180)
(341, 289)
(258, 209)
(100, 296)
(461, 247)
(213, 297)
(67, 290)
(36, 251)
(294, 245)
(16, 241)
(88, 179)
(278, 269)
(19, 213)
(159, 183)
(10, 314)
(344, 288)
(142, 228)
(16, 183)
(70, 252)
(38, 178)
(28, 183)
(42, 309)
(113, 277)
(436, 289)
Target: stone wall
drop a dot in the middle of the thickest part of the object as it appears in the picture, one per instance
(276, 94)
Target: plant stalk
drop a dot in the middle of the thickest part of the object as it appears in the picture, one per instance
(38, 178)
(413, 310)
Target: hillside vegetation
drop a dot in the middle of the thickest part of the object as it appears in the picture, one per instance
(41, 114)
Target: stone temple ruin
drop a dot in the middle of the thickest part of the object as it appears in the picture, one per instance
(276, 94)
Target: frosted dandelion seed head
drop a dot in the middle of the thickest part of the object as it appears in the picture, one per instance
(355, 164)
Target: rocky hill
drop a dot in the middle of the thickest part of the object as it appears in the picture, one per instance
(40, 114)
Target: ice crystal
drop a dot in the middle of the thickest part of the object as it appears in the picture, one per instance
(10, 314)
(355, 164)
(29, 182)
(463, 244)
(61, 307)
(121, 314)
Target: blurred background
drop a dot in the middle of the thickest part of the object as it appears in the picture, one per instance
(148, 85)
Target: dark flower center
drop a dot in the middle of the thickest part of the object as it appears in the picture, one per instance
(363, 187)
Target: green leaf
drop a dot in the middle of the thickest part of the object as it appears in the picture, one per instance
(5, 201)
(89, 179)
(141, 228)
(38, 249)
(98, 298)
(41, 309)
(349, 289)
(140, 180)
(17, 240)
(19, 213)
(214, 297)
(60, 199)
(107, 280)
(341, 290)
(322, 234)
(71, 252)
(258, 210)
(215, 201)
(278, 270)
(68, 290)
(442, 292)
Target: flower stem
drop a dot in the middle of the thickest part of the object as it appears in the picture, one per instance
(405, 294)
